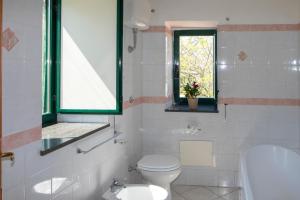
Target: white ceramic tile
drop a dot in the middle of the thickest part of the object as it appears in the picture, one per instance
(38, 187)
(15, 193)
(62, 177)
(81, 188)
(156, 89)
(233, 196)
(13, 172)
(227, 178)
(66, 194)
(199, 193)
(221, 191)
(35, 163)
(154, 73)
(176, 196)
(154, 56)
(154, 40)
(227, 162)
(182, 188)
(199, 176)
(23, 118)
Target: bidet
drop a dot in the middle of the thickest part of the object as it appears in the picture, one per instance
(137, 192)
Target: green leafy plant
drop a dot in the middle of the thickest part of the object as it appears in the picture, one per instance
(192, 90)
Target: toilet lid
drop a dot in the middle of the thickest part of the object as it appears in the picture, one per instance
(159, 163)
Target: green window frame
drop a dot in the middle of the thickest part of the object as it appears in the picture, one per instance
(176, 66)
(52, 58)
(49, 115)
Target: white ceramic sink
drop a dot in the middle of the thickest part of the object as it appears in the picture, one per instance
(138, 192)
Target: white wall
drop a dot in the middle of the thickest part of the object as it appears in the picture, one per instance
(269, 72)
(83, 176)
(22, 66)
(245, 125)
(239, 11)
(299, 70)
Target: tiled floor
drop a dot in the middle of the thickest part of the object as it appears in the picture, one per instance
(183, 192)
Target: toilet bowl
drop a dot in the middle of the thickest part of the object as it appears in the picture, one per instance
(159, 170)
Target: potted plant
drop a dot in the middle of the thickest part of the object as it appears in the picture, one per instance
(191, 93)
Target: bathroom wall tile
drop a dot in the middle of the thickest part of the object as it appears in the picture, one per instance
(153, 56)
(153, 49)
(38, 187)
(154, 40)
(44, 162)
(16, 64)
(66, 194)
(12, 109)
(154, 73)
(227, 162)
(227, 178)
(15, 193)
(62, 177)
(81, 188)
(267, 72)
(13, 173)
(32, 37)
(88, 175)
(150, 89)
(227, 55)
(202, 177)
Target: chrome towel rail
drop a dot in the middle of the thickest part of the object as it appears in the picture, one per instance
(116, 134)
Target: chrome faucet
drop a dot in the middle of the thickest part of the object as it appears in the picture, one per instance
(116, 186)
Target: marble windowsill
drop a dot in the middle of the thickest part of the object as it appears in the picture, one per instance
(200, 109)
(61, 134)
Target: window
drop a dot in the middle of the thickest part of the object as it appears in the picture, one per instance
(82, 58)
(49, 65)
(195, 59)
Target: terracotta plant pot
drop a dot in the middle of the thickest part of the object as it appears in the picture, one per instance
(193, 103)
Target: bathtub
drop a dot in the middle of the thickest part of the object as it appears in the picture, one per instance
(270, 173)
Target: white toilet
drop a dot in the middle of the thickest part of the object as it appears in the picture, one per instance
(159, 170)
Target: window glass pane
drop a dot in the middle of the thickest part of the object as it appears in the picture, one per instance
(88, 59)
(196, 57)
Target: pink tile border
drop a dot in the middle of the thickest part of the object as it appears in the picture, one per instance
(260, 101)
(23, 138)
(238, 27)
(146, 99)
(156, 29)
(136, 102)
(20, 139)
(155, 100)
(259, 27)
(231, 101)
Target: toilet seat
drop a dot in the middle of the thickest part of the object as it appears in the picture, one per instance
(159, 163)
